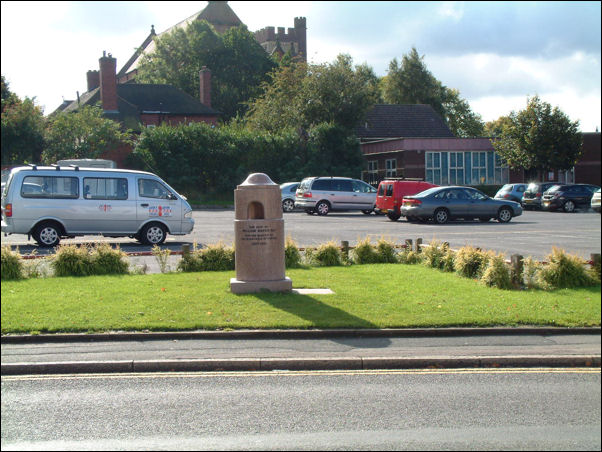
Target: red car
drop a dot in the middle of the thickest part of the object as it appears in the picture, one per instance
(391, 192)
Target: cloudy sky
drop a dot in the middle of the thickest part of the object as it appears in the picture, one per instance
(496, 53)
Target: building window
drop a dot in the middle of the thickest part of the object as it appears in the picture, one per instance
(372, 173)
(456, 168)
(479, 168)
(433, 167)
(465, 168)
(390, 168)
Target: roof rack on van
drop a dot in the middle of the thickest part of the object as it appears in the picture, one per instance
(415, 179)
(33, 167)
(74, 167)
(56, 167)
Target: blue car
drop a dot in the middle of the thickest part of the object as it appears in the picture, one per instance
(442, 204)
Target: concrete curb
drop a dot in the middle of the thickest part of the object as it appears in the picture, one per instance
(297, 364)
(292, 334)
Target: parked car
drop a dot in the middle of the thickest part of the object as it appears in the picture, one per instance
(534, 192)
(288, 190)
(512, 192)
(390, 194)
(595, 203)
(442, 204)
(568, 197)
(49, 203)
(324, 194)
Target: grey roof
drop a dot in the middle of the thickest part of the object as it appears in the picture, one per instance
(403, 121)
(134, 99)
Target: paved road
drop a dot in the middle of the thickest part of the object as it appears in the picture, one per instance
(494, 409)
(534, 233)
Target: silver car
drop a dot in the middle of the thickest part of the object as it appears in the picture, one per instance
(442, 204)
(324, 194)
(288, 190)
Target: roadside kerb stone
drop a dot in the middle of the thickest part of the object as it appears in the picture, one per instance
(297, 364)
(291, 334)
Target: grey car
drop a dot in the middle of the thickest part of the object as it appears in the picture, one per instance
(324, 194)
(442, 204)
(288, 190)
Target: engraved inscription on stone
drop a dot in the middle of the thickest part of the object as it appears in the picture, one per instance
(258, 235)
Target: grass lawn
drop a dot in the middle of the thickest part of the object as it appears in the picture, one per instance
(366, 296)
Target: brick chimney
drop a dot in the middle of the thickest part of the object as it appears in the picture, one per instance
(108, 82)
(205, 86)
(93, 78)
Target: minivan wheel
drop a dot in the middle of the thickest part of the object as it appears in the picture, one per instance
(288, 205)
(322, 208)
(504, 215)
(153, 234)
(569, 207)
(393, 216)
(441, 216)
(47, 234)
(366, 212)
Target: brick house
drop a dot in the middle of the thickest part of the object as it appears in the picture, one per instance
(138, 106)
(413, 141)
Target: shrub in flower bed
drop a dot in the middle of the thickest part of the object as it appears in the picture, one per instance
(382, 253)
(212, 258)
(497, 273)
(326, 255)
(292, 255)
(101, 259)
(12, 266)
(566, 271)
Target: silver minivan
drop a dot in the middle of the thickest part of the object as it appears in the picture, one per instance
(322, 194)
(49, 203)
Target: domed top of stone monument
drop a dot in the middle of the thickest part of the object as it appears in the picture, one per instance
(258, 179)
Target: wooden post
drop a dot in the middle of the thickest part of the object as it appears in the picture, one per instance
(408, 244)
(345, 249)
(186, 249)
(516, 271)
(418, 247)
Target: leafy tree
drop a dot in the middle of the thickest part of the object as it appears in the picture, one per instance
(85, 133)
(22, 129)
(462, 121)
(539, 138)
(410, 82)
(301, 96)
(237, 62)
(496, 128)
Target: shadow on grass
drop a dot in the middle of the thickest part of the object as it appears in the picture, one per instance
(324, 316)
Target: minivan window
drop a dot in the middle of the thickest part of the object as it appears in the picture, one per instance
(362, 187)
(105, 188)
(390, 190)
(149, 188)
(321, 184)
(52, 187)
(341, 185)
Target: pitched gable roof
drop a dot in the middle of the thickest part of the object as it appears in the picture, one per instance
(403, 121)
(217, 13)
(134, 99)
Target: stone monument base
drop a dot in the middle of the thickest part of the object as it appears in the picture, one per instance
(241, 287)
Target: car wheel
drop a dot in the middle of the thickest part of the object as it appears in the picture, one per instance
(153, 234)
(569, 207)
(288, 205)
(393, 216)
(47, 234)
(322, 208)
(441, 216)
(504, 215)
